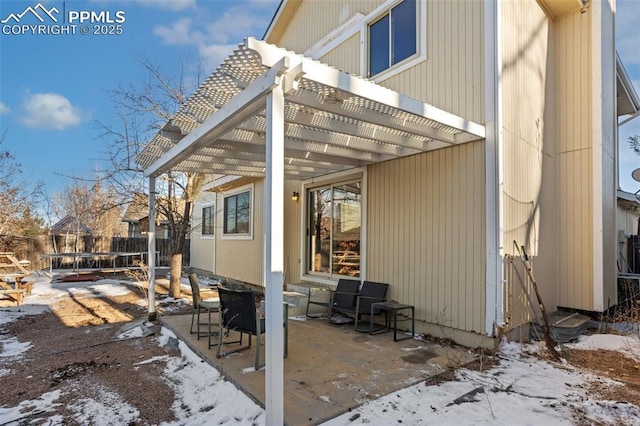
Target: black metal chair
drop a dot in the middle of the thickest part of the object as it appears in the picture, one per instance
(199, 305)
(238, 313)
(343, 300)
(370, 292)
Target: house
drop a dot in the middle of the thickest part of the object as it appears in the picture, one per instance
(136, 216)
(70, 225)
(628, 222)
(476, 128)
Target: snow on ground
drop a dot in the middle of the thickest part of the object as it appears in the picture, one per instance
(522, 389)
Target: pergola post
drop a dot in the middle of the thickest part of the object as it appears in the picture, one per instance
(151, 255)
(274, 257)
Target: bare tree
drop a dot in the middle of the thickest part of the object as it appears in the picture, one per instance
(92, 205)
(142, 110)
(634, 143)
(17, 218)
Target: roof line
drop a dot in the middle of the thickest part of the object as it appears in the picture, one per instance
(274, 18)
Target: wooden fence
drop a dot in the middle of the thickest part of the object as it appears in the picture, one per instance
(33, 249)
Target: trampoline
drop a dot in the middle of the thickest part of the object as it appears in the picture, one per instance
(97, 257)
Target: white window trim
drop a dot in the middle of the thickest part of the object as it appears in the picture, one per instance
(208, 236)
(235, 191)
(360, 172)
(412, 61)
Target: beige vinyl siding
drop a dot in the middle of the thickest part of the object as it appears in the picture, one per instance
(343, 58)
(202, 248)
(451, 78)
(626, 222)
(306, 29)
(530, 207)
(292, 230)
(243, 259)
(575, 162)
(425, 216)
(627, 219)
(525, 55)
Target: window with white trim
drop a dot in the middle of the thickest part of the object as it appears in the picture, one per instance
(237, 215)
(208, 220)
(393, 37)
(334, 222)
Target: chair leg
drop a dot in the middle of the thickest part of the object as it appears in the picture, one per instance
(209, 329)
(286, 338)
(330, 308)
(220, 341)
(211, 324)
(355, 325)
(257, 361)
(198, 327)
(193, 315)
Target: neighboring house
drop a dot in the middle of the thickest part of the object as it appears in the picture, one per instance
(70, 225)
(628, 222)
(479, 124)
(137, 219)
(68, 235)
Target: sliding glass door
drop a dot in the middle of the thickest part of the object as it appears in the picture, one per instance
(333, 229)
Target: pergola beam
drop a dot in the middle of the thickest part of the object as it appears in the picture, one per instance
(311, 140)
(356, 86)
(238, 109)
(355, 112)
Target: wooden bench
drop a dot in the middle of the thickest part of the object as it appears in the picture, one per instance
(14, 294)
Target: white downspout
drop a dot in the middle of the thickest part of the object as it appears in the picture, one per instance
(493, 168)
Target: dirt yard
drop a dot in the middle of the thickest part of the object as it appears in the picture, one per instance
(75, 346)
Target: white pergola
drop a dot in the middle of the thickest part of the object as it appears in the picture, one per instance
(267, 112)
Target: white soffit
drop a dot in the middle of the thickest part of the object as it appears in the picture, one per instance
(333, 120)
(628, 101)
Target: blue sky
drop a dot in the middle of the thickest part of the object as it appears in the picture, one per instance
(53, 88)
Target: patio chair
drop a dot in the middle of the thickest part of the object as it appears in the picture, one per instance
(343, 299)
(371, 292)
(238, 313)
(199, 305)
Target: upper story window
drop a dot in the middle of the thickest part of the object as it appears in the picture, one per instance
(237, 214)
(393, 37)
(208, 218)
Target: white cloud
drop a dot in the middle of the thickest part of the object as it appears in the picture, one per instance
(234, 25)
(178, 32)
(218, 28)
(4, 109)
(214, 54)
(50, 111)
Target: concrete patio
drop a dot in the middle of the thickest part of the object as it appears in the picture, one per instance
(330, 369)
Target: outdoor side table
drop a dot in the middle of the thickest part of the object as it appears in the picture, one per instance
(391, 323)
